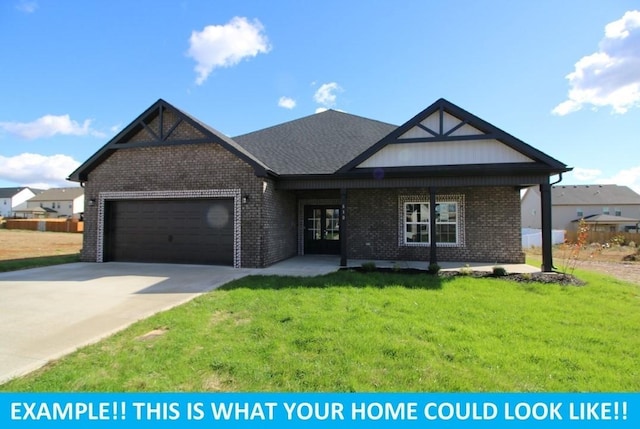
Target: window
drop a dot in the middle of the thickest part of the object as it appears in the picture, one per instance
(617, 211)
(579, 212)
(605, 210)
(415, 221)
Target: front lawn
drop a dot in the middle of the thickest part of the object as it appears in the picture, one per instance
(371, 332)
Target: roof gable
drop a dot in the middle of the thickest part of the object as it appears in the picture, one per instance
(446, 135)
(160, 125)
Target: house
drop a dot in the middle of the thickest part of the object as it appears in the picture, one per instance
(169, 188)
(55, 202)
(12, 199)
(605, 207)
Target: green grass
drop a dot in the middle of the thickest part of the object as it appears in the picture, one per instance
(371, 332)
(42, 261)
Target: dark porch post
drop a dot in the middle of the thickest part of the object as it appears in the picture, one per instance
(433, 257)
(545, 210)
(343, 227)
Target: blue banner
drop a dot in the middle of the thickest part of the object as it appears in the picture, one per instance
(326, 410)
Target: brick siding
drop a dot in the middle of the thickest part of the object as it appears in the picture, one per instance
(279, 235)
(177, 168)
(491, 226)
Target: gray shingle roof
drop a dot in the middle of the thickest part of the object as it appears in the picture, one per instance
(316, 144)
(593, 195)
(59, 194)
(607, 219)
(9, 192)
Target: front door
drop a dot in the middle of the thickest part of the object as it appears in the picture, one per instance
(322, 230)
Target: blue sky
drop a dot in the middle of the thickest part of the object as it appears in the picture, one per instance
(564, 76)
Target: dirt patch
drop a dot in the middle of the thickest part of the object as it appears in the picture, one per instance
(627, 271)
(19, 244)
(609, 260)
(152, 334)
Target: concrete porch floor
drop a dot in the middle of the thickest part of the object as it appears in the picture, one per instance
(309, 265)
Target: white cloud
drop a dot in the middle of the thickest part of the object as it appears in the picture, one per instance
(49, 126)
(27, 6)
(629, 177)
(286, 102)
(226, 45)
(586, 174)
(611, 76)
(326, 94)
(39, 171)
(321, 109)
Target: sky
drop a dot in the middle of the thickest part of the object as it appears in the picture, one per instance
(563, 76)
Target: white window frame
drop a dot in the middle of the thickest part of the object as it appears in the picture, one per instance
(457, 200)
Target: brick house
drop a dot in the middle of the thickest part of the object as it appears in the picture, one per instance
(169, 188)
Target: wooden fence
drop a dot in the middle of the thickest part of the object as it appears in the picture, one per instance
(51, 225)
(603, 237)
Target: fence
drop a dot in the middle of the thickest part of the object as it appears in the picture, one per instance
(51, 225)
(533, 237)
(606, 237)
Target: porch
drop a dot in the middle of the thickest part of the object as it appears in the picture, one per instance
(310, 265)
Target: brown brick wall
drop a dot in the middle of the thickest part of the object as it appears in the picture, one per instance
(178, 168)
(491, 226)
(279, 232)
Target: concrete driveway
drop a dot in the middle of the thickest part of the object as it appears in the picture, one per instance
(48, 312)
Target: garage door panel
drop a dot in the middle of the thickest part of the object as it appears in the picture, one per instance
(177, 231)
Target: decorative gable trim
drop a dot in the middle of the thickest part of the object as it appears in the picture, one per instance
(444, 122)
(161, 125)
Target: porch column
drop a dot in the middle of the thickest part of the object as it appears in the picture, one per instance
(433, 257)
(343, 227)
(545, 210)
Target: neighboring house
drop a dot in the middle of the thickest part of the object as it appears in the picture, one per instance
(56, 202)
(604, 207)
(12, 199)
(169, 188)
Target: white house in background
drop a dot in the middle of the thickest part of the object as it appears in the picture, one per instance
(12, 199)
(606, 207)
(56, 202)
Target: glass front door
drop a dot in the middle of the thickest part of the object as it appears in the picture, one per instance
(322, 230)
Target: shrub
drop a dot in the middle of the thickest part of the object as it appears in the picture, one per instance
(368, 266)
(466, 270)
(499, 271)
(618, 240)
(434, 268)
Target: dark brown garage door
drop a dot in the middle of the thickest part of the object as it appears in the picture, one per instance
(173, 231)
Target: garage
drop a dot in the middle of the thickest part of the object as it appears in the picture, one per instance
(194, 231)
